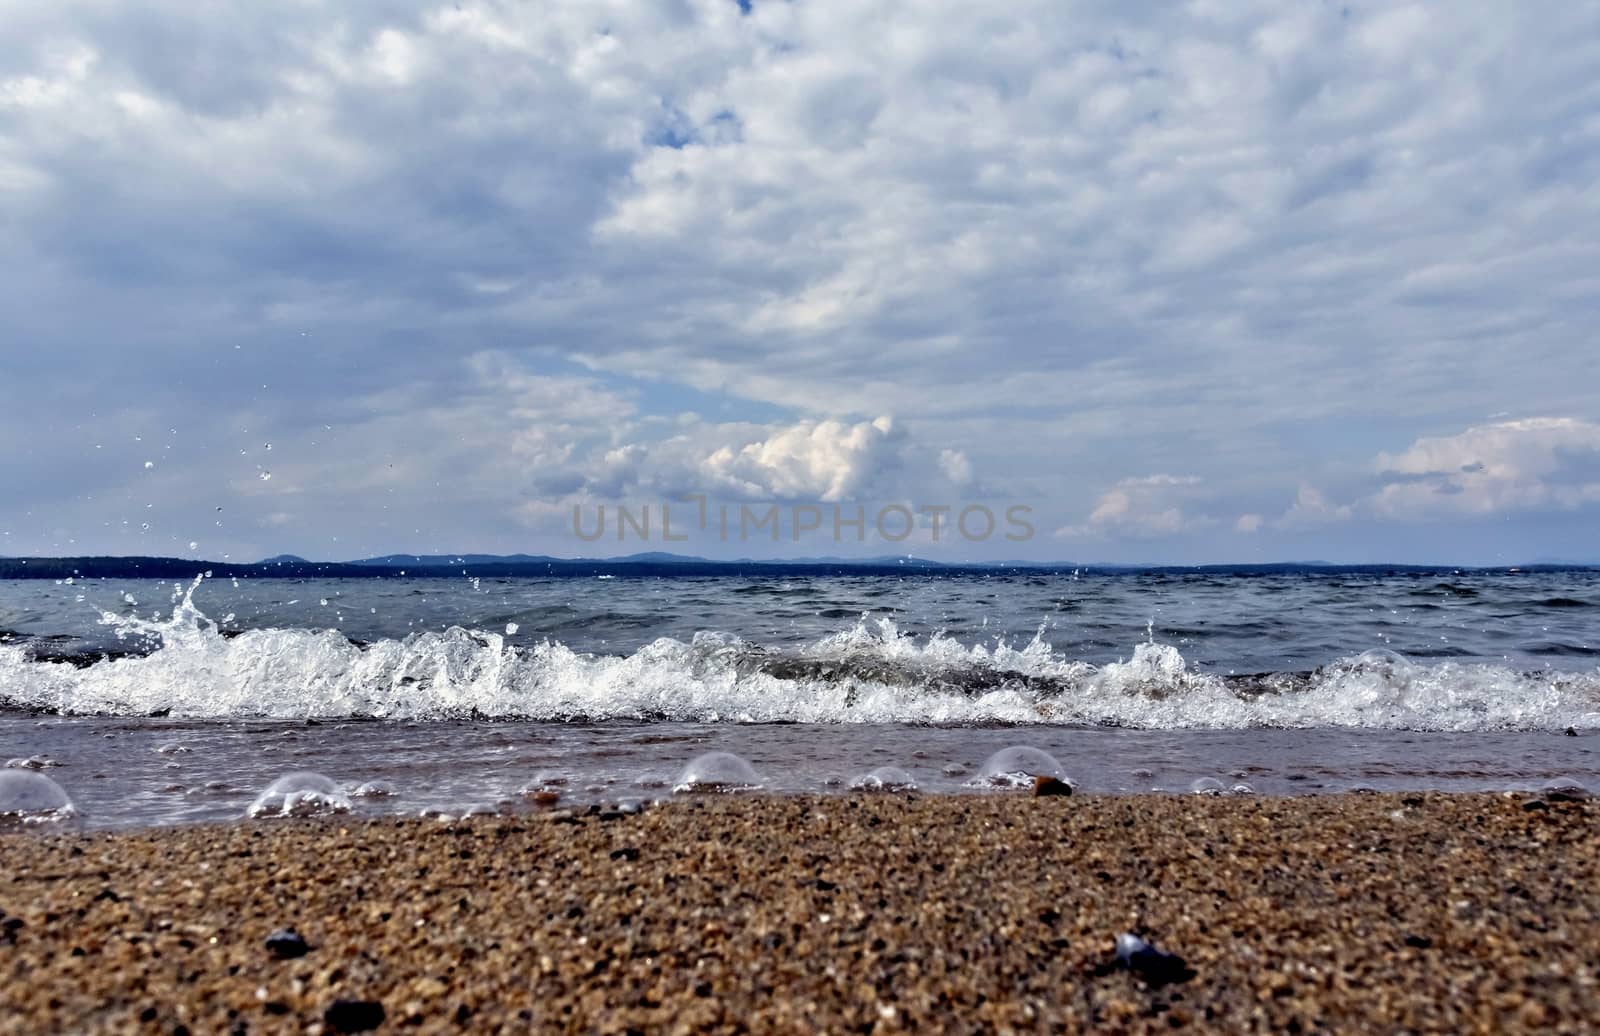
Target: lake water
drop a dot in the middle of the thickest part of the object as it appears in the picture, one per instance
(178, 702)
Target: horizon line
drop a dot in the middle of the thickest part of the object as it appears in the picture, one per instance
(437, 560)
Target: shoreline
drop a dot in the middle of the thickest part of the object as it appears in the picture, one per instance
(1459, 912)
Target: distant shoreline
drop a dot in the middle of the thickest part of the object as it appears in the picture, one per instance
(655, 567)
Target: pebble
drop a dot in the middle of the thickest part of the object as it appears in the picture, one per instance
(1045, 786)
(287, 944)
(1156, 967)
(354, 1015)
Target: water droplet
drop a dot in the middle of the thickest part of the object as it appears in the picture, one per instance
(717, 772)
(1206, 786)
(324, 602)
(149, 464)
(32, 798)
(265, 475)
(193, 545)
(1241, 789)
(511, 629)
(301, 794)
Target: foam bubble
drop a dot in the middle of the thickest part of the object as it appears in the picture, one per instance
(31, 798)
(885, 778)
(375, 790)
(1564, 789)
(717, 772)
(32, 762)
(1206, 786)
(1017, 766)
(302, 794)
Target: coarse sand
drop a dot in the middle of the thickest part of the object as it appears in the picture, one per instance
(866, 913)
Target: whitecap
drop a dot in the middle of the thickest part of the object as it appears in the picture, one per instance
(870, 672)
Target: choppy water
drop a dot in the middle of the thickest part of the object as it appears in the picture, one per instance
(170, 703)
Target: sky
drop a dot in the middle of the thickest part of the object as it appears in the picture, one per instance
(1140, 282)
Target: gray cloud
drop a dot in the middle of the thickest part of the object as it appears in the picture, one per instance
(1255, 244)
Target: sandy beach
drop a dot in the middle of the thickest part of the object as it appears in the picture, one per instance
(1456, 913)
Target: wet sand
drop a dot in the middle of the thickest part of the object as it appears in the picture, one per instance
(1451, 913)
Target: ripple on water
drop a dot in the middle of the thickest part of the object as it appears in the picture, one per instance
(303, 794)
(717, 772)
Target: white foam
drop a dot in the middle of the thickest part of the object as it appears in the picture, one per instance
(885, 778)
(869, 673)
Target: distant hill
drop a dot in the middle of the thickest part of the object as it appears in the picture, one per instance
(657, 564)
(652, 557)
(453, 560)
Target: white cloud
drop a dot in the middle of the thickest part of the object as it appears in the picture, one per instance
(1146, 507)
(1248, 523)
(956, 467)
(1550, 463)
(1311, 509)
(826, 460)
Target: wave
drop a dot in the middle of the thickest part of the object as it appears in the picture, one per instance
(869, 673)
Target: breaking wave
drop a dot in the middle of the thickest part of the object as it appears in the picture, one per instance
(869, 673)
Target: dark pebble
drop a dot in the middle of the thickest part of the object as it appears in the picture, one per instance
(287, 944)
(1418, 942)
(1154, 966)
(1536, 805)
(1043, 786)
(354, 1015)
